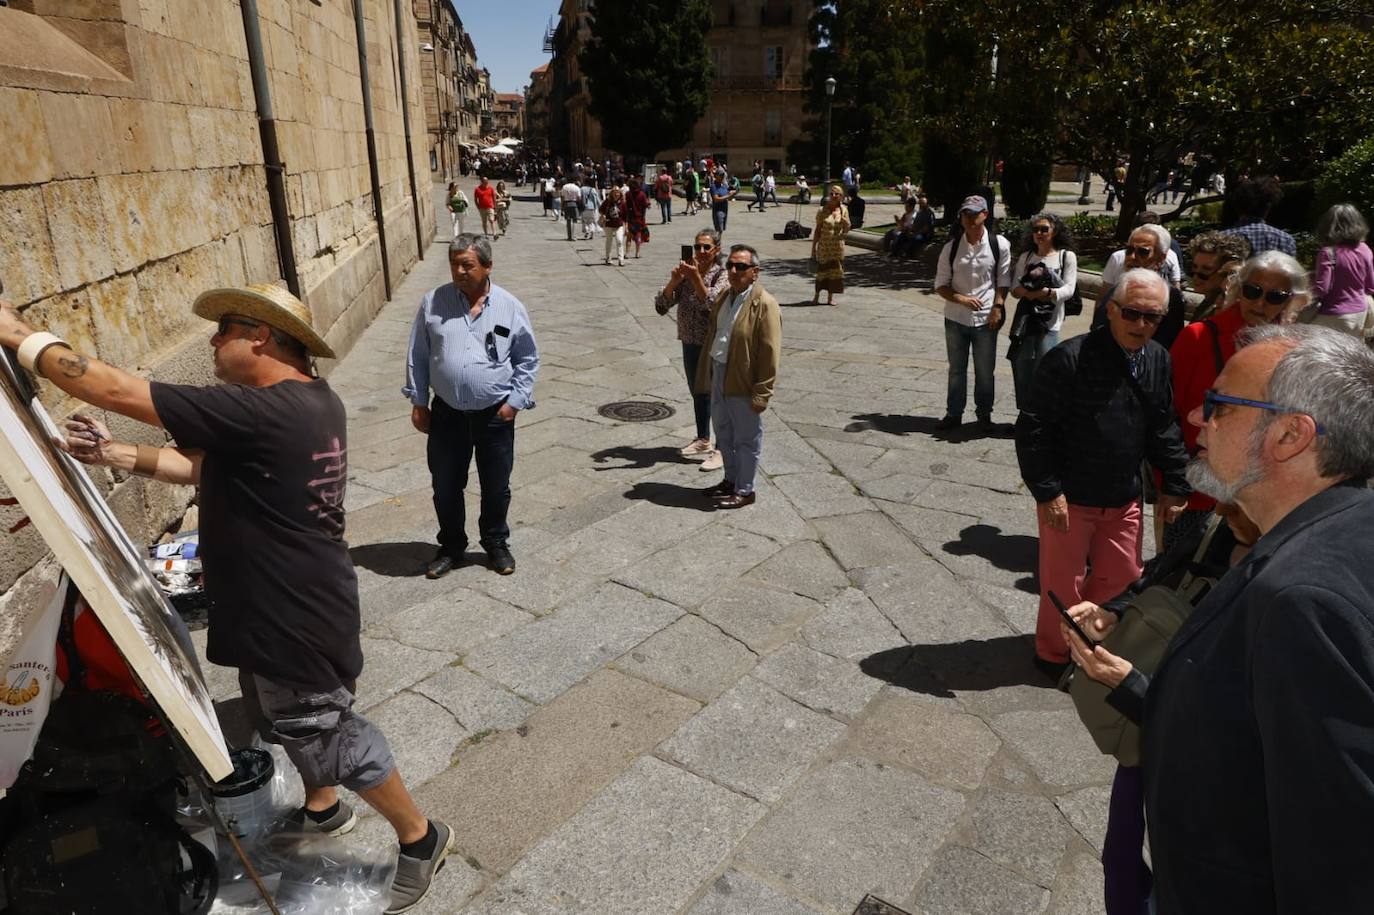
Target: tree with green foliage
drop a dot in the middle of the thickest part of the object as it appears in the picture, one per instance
(647, 72)
(1349, 178)
(874, 52)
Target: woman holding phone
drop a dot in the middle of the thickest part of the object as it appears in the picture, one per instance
(695, 283)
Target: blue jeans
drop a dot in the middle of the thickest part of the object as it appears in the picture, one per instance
(739, 433)
(959, 339)
(701, 403)
(665, 210)
(719, 214)
(1027, 358)
(454, 437)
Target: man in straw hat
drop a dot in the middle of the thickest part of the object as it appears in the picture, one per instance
(269, 451)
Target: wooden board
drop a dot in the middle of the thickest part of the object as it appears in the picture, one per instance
(108, 568)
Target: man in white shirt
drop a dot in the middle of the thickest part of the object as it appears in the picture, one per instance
(973, 276)
(571, 197)
(1116, 265)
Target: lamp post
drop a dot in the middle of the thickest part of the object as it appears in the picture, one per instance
(829, 100)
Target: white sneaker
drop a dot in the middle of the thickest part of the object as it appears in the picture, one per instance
(696, 447)
(714, 461)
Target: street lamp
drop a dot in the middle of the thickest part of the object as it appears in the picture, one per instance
(829, 100)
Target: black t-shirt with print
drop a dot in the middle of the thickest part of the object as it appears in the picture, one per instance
(285, 597)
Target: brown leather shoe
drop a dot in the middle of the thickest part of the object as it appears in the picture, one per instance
(735, 501)
(723, 488)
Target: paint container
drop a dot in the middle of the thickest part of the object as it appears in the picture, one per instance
(244, 797)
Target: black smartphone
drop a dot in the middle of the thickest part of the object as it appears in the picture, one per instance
(1073, 624)
(687, 253)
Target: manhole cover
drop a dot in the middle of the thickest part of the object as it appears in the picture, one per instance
(636, 411)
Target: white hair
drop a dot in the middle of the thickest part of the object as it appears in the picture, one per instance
(1140, 276)
(1162, 237)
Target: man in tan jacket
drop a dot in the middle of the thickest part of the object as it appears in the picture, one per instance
(744, 337)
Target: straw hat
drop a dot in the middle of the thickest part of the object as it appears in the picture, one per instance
(268, 303)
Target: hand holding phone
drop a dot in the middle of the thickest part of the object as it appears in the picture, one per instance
(687, 253)
(1072, 623)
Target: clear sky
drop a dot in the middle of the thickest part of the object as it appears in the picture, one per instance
(509, 37)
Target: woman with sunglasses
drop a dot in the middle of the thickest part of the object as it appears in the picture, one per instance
(827, 246)
(1048, 271)
(692, 287)
(1267, 289)
(1345, 272)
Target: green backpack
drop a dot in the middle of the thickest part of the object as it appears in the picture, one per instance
(1141, 637)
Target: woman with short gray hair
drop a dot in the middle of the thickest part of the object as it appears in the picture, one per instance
(1345, 272)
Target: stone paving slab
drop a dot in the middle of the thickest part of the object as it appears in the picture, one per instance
(691, 657)
(736, 892)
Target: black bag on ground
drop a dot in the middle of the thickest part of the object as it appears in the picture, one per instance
(89, 826)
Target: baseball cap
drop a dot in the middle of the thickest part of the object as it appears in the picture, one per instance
(973, 203)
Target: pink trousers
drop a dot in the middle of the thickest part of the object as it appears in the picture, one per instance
(1095, 561)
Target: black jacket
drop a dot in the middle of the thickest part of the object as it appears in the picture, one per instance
(1087, 430)
(1259, 727)
(1168, 329)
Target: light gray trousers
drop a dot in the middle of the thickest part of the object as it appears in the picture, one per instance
(739, 432)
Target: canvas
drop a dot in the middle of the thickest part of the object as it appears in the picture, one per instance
(108, 569)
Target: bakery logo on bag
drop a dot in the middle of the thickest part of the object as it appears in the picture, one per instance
(22, 687)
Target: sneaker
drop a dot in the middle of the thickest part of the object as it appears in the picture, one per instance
(500, 558)
(341, 823)
(695, 447)
(714, 461)
(415, 876)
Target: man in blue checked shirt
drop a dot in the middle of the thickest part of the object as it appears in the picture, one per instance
(472, 346)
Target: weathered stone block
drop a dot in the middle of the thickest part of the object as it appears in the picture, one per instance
(80, 134)
(29, 158)
(26, 246)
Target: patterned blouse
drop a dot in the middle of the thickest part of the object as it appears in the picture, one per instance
(693, 313)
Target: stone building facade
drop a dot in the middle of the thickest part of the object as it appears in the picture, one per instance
(134, 179)
(537, 114)
(441, 35)
(508, 115)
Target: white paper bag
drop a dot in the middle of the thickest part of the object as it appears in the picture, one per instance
(27, 687)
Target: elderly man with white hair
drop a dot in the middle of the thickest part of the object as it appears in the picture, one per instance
(1101, 404)
(1147, 249)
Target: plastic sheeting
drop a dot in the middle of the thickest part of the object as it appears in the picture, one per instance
(306, 872)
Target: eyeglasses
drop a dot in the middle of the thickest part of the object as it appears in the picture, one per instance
(1253, 291)
(706, 247)
(226, 323)
(1043, 230)
(1133, 315)
(1211, 397)
(739, 267)
(1140, 251)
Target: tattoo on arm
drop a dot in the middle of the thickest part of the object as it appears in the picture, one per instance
(73, 365)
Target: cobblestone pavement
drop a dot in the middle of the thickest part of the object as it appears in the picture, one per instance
(672, 710)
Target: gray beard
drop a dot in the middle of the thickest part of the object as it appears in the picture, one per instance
(1202, 478)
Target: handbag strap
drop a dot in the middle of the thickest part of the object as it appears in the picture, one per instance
(1212, 527)
(1216, 344)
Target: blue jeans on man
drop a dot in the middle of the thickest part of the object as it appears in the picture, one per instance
(665, 210)
(720, 213)
(739, 433)
(959, 339)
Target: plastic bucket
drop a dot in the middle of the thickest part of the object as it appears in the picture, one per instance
(244, 797)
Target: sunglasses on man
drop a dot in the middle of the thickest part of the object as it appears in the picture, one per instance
(226, 323)
(1140, 251)
(1133, 315)
(738, 267)
(1211, 397)
(1253, 291)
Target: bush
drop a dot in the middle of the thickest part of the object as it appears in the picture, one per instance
(1025, 187)
(1085, 225)
(949, 174)
(1349, 178)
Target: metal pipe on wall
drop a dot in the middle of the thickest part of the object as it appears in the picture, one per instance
(361, 31)
(271, 154)
(405, 124)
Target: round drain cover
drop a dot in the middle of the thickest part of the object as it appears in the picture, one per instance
(636, 411)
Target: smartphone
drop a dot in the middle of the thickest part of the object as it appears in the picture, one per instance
(1073, 624)
(687, 253)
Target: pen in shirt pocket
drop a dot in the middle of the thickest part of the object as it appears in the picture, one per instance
(491, 346)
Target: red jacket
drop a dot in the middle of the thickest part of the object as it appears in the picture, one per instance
(1195, 369)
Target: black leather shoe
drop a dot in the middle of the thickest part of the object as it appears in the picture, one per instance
(440, 565)
(949, 422)
(500, 559)
(720, 490)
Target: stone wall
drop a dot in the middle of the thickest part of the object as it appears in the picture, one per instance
(134, 180)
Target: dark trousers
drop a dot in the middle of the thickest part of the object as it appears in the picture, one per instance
(1127, 880)
(701, 403)
(570, 216)
(665, 210)
(454, 435)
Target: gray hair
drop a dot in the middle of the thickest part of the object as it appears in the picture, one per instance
(1162, 237)
(1329, 376)
(753, 255)
(1226, 246)
(1140, 276)
(1342, 224)
(709, 233)
(470, 241)
(1279, 262)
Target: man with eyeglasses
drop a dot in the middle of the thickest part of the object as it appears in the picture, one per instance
(1100, 405)
(471, 368)
(1258, 724)
(738, 370)
(269, 451)
(1147, 249)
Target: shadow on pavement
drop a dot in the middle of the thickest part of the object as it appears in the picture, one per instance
(638, 458)
(899, 424)
(869, 270)
(670, 495)
(1012, 552)
(395, 560)
(971, 666)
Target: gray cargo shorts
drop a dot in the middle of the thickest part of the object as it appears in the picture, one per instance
(328, 742)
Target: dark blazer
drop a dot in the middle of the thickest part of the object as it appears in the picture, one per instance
(1086, 431)
(1259, 727)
